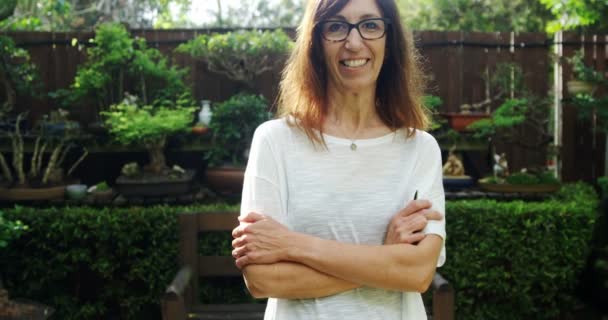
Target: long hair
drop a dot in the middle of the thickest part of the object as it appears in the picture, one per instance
(303, 87)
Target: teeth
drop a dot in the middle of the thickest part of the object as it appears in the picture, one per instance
(354, 63)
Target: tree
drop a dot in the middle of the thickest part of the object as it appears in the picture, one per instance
(259, 14)
(573, 14)
(475, 15)
(61, 15)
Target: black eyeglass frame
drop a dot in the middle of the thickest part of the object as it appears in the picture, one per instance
(351, 26)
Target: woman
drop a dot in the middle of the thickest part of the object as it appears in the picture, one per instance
(328, 225)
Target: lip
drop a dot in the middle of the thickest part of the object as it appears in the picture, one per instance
(342, 64)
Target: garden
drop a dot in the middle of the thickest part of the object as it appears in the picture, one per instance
(111, 130)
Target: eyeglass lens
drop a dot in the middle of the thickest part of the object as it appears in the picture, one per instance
(368, 29)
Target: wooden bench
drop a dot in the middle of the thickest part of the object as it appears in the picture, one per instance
(180, 299)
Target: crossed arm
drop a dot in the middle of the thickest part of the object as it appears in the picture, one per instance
(279, 263)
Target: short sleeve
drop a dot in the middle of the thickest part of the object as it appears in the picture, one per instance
(429, 183)
(261, 186)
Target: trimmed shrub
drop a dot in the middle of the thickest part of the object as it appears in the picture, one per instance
(93, 263)
(519, 260)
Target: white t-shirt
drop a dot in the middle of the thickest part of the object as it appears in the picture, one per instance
(347, 196)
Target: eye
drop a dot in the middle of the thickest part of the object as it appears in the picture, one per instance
(334, 26)
(371, 25)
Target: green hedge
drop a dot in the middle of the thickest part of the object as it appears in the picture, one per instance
(519, 260)
(506, 260)
(91, 263)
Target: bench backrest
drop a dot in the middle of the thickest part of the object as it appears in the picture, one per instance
(190, 225)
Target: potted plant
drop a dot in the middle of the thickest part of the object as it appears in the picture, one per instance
(505, 125)
(240, 55)
(132, 123)
(232, 126)
(119, 63)
(585, 79)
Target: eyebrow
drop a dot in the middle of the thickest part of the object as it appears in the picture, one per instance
(365, 16)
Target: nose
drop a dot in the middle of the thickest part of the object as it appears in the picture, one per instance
(353, 40)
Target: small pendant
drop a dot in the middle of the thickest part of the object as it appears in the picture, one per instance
(353, 146)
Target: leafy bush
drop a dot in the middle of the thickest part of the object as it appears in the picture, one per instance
(118, 63)
(148, 126)
(233, 123)
(240, 55)
(582, 72)
(518, 260)
(95, 263)
(9, 230)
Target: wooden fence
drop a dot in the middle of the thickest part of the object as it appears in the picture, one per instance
(455, 62)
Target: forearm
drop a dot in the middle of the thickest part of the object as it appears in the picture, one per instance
(402, 267)
(291, 280)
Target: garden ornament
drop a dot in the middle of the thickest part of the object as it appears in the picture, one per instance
(453, 166)
(501, 167)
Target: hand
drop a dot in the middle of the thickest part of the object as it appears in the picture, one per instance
(407, 225)
(259, 239)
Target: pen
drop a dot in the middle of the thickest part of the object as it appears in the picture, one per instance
(416, 195)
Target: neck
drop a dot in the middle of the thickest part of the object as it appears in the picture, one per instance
(352, 112)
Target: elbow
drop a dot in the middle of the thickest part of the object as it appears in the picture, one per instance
(256, 284)
(425, 280)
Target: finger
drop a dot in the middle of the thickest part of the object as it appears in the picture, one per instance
(415, 206)
(432, 215)
(241, 241)
(239, 230)
(240, 251)
(251, 217)
(241, 262)
(417, 237)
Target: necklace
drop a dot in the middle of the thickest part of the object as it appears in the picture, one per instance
(353, 145)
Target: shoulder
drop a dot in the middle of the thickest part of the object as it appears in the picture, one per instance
(273, 131)
(420, 138)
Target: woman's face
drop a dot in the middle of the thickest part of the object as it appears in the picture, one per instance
(354, 64)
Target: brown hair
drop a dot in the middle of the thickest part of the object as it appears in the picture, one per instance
(302, 92)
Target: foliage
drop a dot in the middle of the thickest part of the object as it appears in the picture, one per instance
(603, 184)
(590, 105)
(523, 119)
(518, 260)
(102, 186)
(258, 14)
(233, 124)
(511, 113)
(575, 14)
(584, 73)
(61, 15)
(240, 55)
(525, 178)
(18, 74)
(132, 124)
(96, 263)
(117, 63)
(480, 15)
(9, 230)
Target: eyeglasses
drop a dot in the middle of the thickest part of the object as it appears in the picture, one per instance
(369, 29)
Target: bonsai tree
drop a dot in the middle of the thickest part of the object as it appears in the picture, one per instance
(233, 124)
(241, 55)
(118, 63)
(523, 120)
(133, 124)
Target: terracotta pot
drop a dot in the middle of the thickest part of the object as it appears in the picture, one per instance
(460, 121)
(576, 87)
(226, 180)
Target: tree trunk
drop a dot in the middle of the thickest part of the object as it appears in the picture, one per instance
(11, 95)
(157, 156)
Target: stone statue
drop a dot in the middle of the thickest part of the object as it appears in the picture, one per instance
(453, 166)
(501, 167)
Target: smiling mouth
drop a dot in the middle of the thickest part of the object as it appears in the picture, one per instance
(354, 63)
